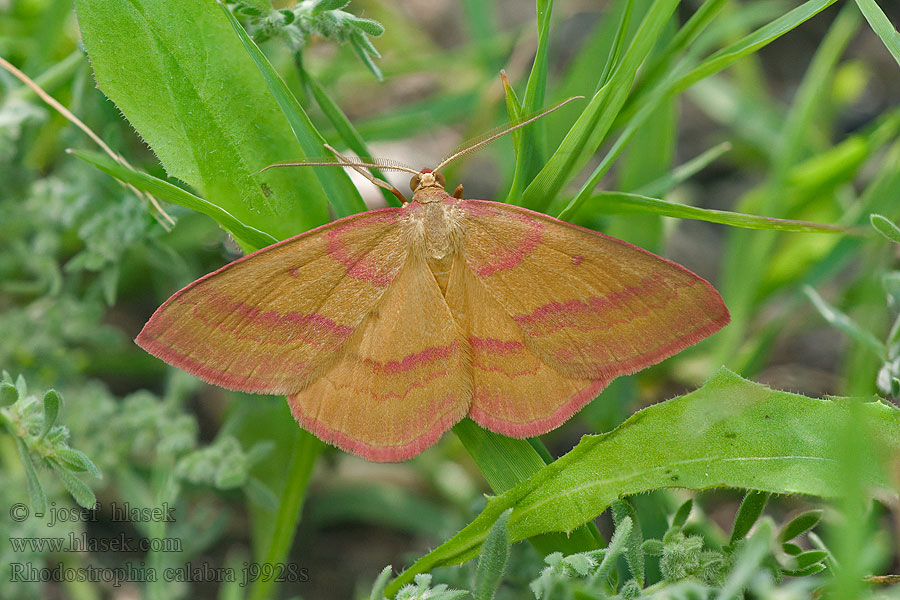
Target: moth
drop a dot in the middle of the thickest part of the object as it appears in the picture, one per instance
(385, 328)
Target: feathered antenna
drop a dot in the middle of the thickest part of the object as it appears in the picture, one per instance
(359, 166)
(499, 134)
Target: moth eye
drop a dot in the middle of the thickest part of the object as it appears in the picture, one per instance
(414, 182)
(440, 179)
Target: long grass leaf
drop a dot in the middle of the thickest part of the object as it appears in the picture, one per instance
(174, 194)
(530, 142)
(591, 127)
(882, 26)
(621, 203)
(345, 129)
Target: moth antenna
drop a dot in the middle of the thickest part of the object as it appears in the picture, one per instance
(491, 137)
(65, 112)
(380, 183)
(357, 165)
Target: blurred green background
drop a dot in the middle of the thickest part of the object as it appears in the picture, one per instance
(806, 127)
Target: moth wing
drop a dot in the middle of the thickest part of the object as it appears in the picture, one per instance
(588, 305)
(402, 381)
(271, 321)
(515, 393)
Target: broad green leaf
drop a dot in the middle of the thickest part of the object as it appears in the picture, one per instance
(8, 394)
(729, 433)
(181, 77)
(172, 193)
(882, 26)
(620, 203)
(340, 191)
(506, 462)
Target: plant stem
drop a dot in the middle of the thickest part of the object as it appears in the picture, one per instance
(306, 450)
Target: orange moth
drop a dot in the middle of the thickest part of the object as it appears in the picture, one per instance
(385, 328)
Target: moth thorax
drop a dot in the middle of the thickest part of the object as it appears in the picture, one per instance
(438, 232)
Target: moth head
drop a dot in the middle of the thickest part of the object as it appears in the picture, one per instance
(427, 178)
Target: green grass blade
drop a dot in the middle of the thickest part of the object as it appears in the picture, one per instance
(513, 111)
(345, 129)
(742, 280)
(591, 127)
(305, 452)
(535, 89)
(683, 172)
(621, 203)
(615, 50)
(340, 191)
(645, 112)
(529, 150)
(649, 155)
(841, 321)
(503, 461)
(882, 26)
(753, 42)
(481, 24)
(695, 25)
(174, 194)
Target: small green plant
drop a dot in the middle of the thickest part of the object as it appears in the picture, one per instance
(326, 18)
(758, 556)
(41, 442)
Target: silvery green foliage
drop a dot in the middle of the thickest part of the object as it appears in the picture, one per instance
(888, 378)
(757, 558)
(41, 442)
(312, 17)
(422, 590)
